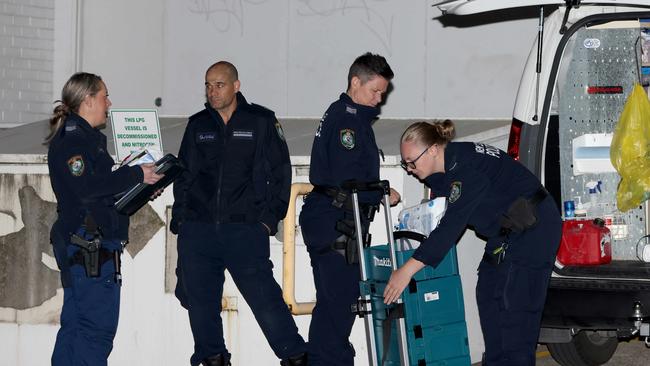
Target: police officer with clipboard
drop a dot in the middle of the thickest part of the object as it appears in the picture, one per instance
(89, 234)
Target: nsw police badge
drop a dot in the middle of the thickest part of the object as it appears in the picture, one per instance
(454, 191)
(347, 138)
(76, 165)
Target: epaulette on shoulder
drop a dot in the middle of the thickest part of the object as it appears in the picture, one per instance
(72, 129)
(256, 108)
(199, 115)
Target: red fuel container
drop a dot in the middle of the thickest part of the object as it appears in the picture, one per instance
(585, 242)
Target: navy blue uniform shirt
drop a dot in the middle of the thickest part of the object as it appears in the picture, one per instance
(82, 179)
(480, 183)
(344, 147)
(236, 172)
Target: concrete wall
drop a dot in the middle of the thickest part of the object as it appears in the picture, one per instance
(294, 56)
(153, 328)
(27, 47)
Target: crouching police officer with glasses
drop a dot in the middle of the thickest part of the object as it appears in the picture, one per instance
(504, 202)
(89, 234)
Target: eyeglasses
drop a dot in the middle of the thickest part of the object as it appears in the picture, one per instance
(411, 164)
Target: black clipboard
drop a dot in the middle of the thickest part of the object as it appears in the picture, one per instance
(139, 195)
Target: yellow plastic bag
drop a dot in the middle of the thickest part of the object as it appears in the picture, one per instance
(630, 150)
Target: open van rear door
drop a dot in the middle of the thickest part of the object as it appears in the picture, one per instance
(466, 7)
(534, 99)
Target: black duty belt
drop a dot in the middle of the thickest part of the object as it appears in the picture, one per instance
(534, 200)
(496, 256)
(328, 191)
(105, 255)
(493, 259)
(236, 219)
(338, 196)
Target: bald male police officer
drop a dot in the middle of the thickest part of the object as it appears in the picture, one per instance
(230, 199)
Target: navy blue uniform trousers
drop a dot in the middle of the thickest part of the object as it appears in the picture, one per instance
(511, 295)
(204, 252)
(337, 286)
(91, 308)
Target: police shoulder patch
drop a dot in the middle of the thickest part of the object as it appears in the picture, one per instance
(347, 138)
(76, 165)
(278, 128)
(455, 191)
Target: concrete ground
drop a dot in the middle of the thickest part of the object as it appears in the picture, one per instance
(632, 353)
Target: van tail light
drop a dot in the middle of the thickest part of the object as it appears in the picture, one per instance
(515, 139)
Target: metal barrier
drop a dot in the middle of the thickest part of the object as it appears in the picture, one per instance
(289, 254)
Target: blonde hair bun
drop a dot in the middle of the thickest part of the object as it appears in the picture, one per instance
(438, 132)
(446, 129)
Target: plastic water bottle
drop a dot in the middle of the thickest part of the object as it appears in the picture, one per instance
(580, 210)
(594, 192)
(569, 209)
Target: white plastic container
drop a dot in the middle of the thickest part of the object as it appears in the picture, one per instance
(422, 218)
(591, 154)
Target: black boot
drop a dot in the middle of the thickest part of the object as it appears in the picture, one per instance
(216, 360)
(297, 360)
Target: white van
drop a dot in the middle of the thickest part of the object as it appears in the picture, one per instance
(573, 89)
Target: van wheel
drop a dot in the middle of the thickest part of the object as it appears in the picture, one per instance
(587, 348)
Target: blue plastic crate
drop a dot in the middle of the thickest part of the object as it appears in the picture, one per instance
(436, 301)
(447, 342)
(392, 359)
(434, 311)
(379, 264)
(428, 303)
(457, 361)
(438, 345)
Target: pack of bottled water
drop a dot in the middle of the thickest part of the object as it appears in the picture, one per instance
(422, 219)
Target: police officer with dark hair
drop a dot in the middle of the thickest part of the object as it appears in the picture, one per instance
(344, 149)
(227, 203)
(504, 202)
(89, 234)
